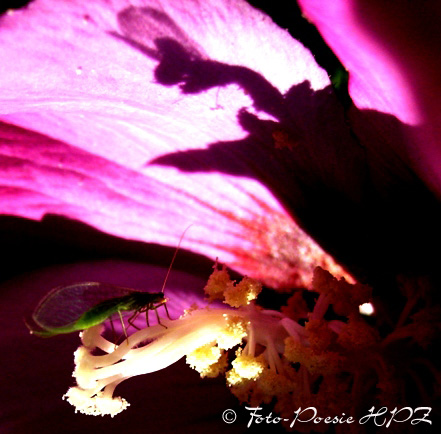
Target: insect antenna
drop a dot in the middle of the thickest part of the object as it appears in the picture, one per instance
(168, 274)
(174, 257)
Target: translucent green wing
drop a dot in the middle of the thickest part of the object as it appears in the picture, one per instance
(59, 311)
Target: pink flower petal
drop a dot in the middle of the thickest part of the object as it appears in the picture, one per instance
(391, 52)
(93, 111)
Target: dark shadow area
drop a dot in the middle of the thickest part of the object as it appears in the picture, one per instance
(289, 16)
(13, 4)
(54, 240)
(183, 63)
(363, 204)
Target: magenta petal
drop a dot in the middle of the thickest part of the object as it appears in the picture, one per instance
(88, 77)
(93, 114)
(376, 81)
(391, 52)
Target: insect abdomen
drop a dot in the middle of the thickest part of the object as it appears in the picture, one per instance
(104, 310)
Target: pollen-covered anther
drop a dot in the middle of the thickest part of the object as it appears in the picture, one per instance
(344, 296)
(209, 360)
(221, 287)
(242, 293)
(191, 309)
(84, 368)
(217, 283)
(273, 384)
(98, 405)
(235, 330)
(245, 367)
(201, 358)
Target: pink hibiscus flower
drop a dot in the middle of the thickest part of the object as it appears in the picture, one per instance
(141, 119)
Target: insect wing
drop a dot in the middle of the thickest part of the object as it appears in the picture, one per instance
(64, 305)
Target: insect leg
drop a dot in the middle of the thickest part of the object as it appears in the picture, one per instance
(157, 317)
(123, 326)
(132, 318)
(113, 331)
(168, 315)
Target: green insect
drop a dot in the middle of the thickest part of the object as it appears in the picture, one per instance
(83, 305)
(79, 306)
